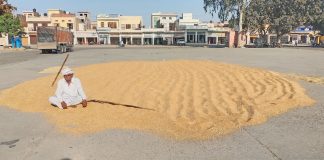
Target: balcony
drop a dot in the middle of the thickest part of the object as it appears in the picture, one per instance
(38, 19)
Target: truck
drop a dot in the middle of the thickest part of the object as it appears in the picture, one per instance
(54, 39)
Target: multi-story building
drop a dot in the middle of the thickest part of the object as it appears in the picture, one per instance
(207, 34)
(114, 28)
(164, 20)
(186, 20)
(79, 24)
(34, 20)
(85, 21)
(65, 20)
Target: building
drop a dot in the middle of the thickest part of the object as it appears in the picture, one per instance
(65, 20)
(164, 20)
(34, 20)
(186, 20)
(114, 28)
(216, 34)
(80, 24)
(85, 21)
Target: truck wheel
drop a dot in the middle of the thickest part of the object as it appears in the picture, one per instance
(59, 50)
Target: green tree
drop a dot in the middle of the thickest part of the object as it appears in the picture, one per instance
(5, 7)
(9, 24)
(226, 8)
(257, 17)
(280, 17)
(316, 15)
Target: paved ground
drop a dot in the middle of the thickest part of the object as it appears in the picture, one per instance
(296, 135)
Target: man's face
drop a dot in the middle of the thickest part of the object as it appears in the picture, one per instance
(68, 77)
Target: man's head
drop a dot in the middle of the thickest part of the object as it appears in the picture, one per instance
(68, 74)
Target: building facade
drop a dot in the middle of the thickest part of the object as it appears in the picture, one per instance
(164, 20)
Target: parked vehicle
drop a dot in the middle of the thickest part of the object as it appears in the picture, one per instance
(54, 39)
(181, 42)
(261, 43)
(318, 41)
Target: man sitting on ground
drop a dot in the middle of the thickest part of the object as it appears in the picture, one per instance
(69, 91)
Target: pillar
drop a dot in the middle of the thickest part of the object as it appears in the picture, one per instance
(308, 41)
(27, 38)
(153, 39)
(196, 37)
(85, 40)
(108, 39)
(216, 40)
(142, 39)
(186, 36)
(206, 37)
(131, 39)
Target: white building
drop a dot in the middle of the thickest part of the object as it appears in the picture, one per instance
(186, 20)
(164, 20)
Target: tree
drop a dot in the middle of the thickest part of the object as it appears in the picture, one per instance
(224, 8)
(5, 7)
(9, 24)
(316, 15)
(257, 17)
(280, 17)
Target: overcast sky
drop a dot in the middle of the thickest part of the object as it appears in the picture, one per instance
(125, 7)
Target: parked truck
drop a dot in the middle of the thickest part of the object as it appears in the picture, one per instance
(54, 40)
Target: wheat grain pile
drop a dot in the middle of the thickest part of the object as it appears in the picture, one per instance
(191, 99)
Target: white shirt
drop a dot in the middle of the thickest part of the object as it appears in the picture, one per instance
(69, 93)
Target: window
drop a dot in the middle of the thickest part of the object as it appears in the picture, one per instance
(133, 26)
(102, 24)
(128, 26)
(70, 25)
(56, 20)
(123, 26)
(221, 40)
(69, 20)
(63, 20)
(170, 18)
(81, 14)
(112, 24)
(82, 20)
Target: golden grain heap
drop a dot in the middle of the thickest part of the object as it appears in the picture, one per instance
(191, 99)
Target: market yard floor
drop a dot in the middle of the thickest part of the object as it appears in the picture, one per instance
(296, 134)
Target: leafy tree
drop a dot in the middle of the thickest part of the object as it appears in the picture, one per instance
(226, 8)
(5, 7)
(281, 17)
(257, 17)
(316, 15)
(9, 24)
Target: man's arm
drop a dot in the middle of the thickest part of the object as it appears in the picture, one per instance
(59, 93)
(82, 94)
(80, 90)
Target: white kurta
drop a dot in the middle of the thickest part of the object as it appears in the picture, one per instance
(72, 94)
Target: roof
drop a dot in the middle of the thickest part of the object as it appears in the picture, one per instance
(63, 15)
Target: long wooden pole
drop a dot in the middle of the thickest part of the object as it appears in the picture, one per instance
(58, 73)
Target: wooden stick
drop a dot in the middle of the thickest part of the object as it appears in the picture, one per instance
(112, 103)
(58, 73)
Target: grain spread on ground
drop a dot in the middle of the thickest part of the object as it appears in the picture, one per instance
(189, 99)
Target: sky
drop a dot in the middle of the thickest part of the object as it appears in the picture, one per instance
(124, 7)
